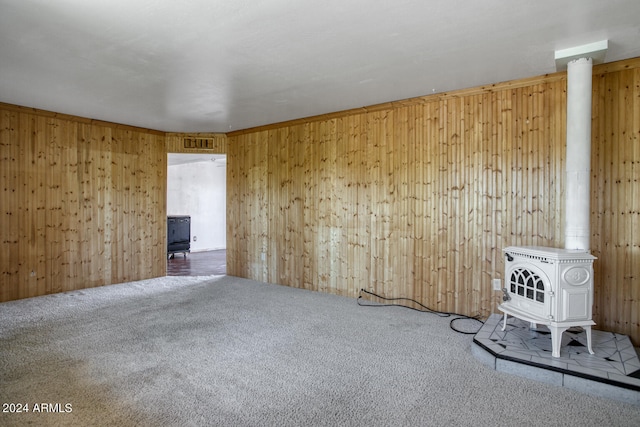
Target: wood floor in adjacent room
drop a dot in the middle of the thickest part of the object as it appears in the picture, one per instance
(198, 264)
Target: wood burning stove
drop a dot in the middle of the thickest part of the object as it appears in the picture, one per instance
(549, 286)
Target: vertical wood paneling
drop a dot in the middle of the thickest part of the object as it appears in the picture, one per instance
(431, 204)
(31, 209)
(118, 173)
(634, 214)
(309, 199)
(402, 174)
(61, 218)
(355, 205)
(236, 253)
(10, 190)
(489, 188)
(156, 196)
(415, 187)
(54, 197)
(615, 225)
(83, 203)
(276, 176)
(70, 234)
(417, 199)
(92, 176)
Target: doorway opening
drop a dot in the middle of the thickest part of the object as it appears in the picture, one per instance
(197, 189)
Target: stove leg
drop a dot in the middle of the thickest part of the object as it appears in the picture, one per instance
(504, 322)
(556, 339)
(587, 329)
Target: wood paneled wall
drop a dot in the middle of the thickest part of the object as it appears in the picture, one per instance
(417, 198)
(83, 203)
(615, 204)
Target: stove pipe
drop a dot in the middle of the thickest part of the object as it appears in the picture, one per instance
(578, 154)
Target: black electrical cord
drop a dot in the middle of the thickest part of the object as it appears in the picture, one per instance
(423, 309)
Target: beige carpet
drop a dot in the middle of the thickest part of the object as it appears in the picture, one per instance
(186, 351)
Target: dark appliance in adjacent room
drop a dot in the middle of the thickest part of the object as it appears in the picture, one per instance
(178, 235)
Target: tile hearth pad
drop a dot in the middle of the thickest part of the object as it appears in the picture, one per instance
(615, 361)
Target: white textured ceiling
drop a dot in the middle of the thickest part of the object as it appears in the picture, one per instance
(223, 65)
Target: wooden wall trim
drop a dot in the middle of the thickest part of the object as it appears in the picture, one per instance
(78, 119)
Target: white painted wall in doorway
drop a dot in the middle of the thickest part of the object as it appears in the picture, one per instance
(200, 190)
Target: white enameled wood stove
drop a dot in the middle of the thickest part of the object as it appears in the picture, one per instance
(549, 286)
